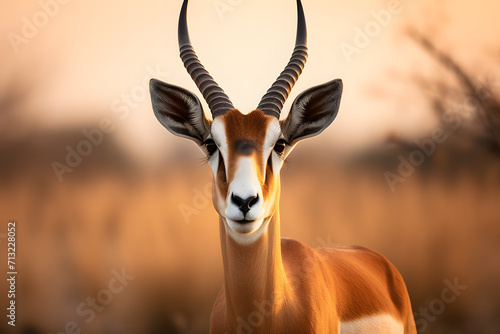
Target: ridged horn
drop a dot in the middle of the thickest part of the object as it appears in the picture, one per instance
(217, 100)
(272, 102)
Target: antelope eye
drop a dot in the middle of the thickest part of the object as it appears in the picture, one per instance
(211, 147)
(280, 145)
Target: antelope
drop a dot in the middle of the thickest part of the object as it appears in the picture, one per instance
(274, 284)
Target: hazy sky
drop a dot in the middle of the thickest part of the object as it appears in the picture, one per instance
(88, 54)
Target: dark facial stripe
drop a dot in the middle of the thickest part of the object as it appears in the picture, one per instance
(245, 146)
(221, 178)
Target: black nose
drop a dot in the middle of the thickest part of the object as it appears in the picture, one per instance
(244, 204)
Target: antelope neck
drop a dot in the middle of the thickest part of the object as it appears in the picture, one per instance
(254, 273)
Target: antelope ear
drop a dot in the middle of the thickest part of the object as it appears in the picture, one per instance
(312, 111)
(179, 111)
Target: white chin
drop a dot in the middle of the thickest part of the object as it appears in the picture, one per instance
(245, 228)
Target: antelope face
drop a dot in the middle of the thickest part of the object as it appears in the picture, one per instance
(245, 152)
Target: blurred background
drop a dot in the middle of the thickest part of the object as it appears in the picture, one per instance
(98, 189)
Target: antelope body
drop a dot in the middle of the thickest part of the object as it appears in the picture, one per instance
(272, 284)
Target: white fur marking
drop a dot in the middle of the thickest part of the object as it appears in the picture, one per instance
(376, 324)
(272, 135)
(245, 184)
(218, 132)
(249, 238)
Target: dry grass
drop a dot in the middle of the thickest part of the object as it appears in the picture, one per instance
(437, 225)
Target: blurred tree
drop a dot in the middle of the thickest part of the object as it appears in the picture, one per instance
(476, 97)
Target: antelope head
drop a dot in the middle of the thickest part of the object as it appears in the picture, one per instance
(245, 151)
